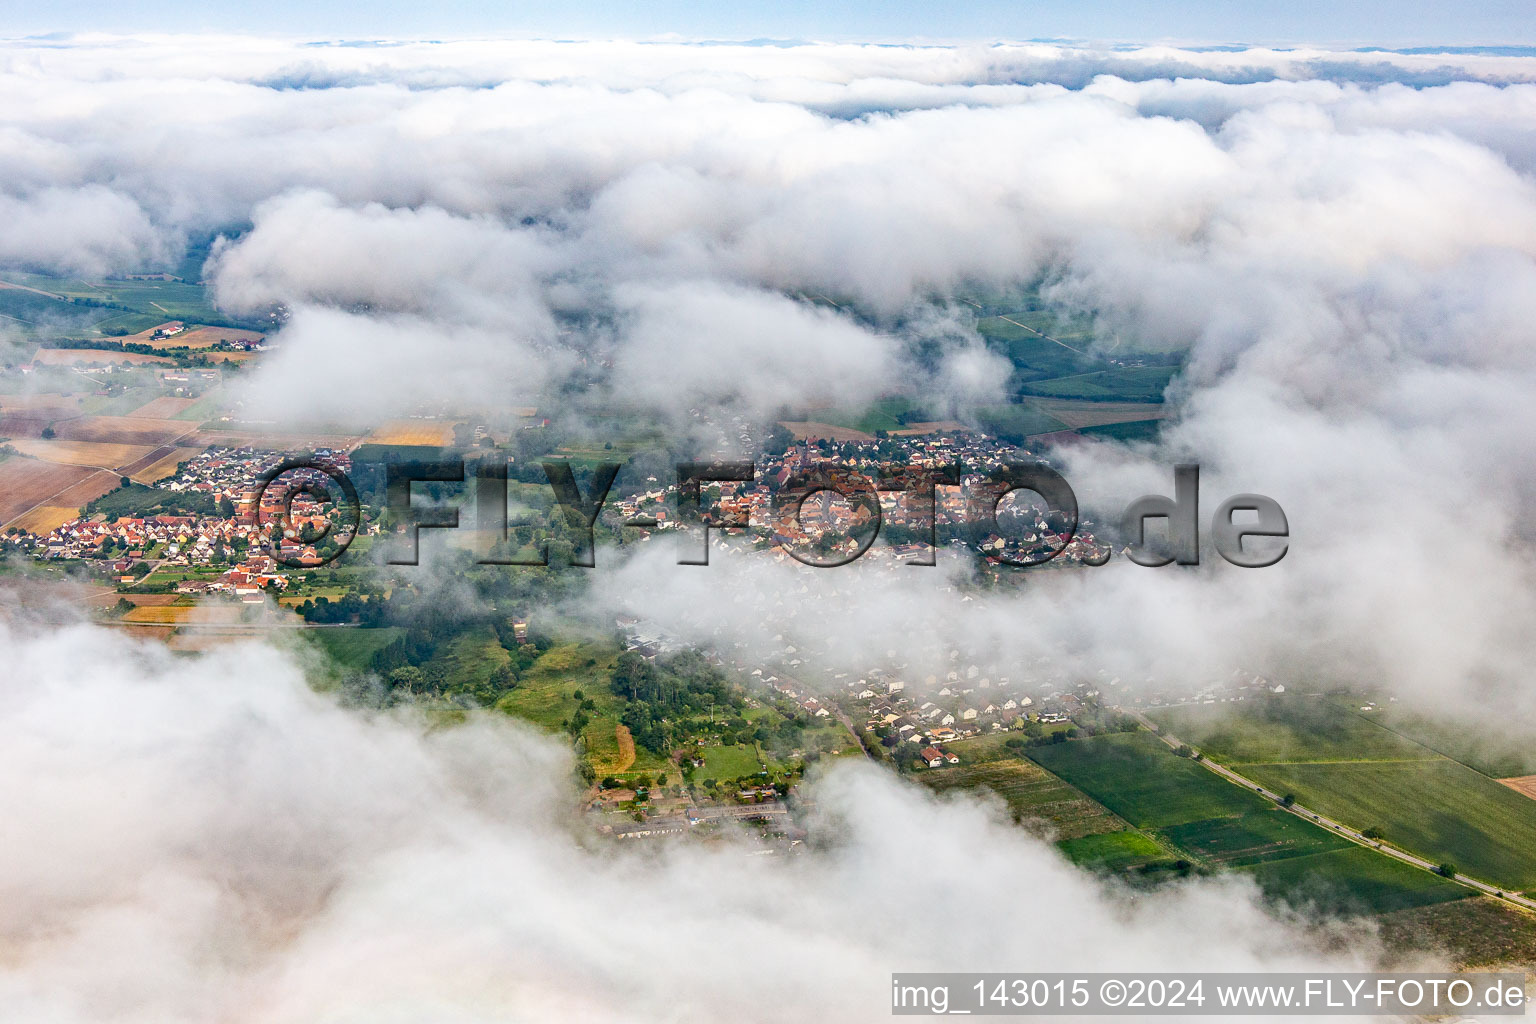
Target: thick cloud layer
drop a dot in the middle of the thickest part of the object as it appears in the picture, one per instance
(207, 839)
(1344, 244)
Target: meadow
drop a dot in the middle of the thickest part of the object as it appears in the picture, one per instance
(1114, 851)
(1138, 778)
(1285, 729)
(1441, 810)
(1252, 838)
(1352, 881)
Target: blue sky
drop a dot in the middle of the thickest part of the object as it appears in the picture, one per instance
(1381, 22)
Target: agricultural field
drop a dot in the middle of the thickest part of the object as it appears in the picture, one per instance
(1141, 384)
(815, 430)
(276, 440)
(430, 433)
(95, 357)
(94, 454)
(1016, 422)
(46, 518)
(1190, 809)
(1342, 763)
(885, 413)
(27, 415)
(1285, 728)
(158, 464)
(1138, 778)
(1476, 932)
(1352, 881)
(1113, 851)
(149, 302)
(1040, 345)
(1030, 792)
(1499, 748)
(1139, 430)
(164, 408)
(1440, 809)
(123, 430)
(352, 648)
(1078, 414)
(208, 614)
(26, 483)
(1252, 838)
(88, 490)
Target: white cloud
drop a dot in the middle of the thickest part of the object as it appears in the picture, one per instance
(208, 839)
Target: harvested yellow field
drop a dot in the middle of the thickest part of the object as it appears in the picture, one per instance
(46, 518)
(434, 433)
(160, 468)
(95, 454)
(124, 429)
(187, 614)
(815, 431)
(163, 408)
(159, 614)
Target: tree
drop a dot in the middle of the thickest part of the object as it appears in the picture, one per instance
(407, 677)
(47, 433)
(1184, 750)
(1373, 832)
(123, 481)
(1289, 800)
(1447, 869)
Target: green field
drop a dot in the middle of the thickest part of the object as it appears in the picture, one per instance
(1016, 422)
(1036, 358)
(1352, 881)
(1140, 779)
(351, 647)
(1441, 810)
(1252, 838)
(1285, 728)
(1342, 763)
(1498, 749)
(78, 314)
(544, 694)
(1118, 384)
(1136, 430)
(1030, 793)
(471, 658)
(733, 762)
(881, 414)
(1113, 851)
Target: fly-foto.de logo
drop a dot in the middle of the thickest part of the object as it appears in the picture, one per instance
(1247, 530)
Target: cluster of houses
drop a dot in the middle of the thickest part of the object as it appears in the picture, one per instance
(230, 477)
(784, 525)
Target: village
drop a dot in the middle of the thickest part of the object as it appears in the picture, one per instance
(1025, 532)
(241, 547)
